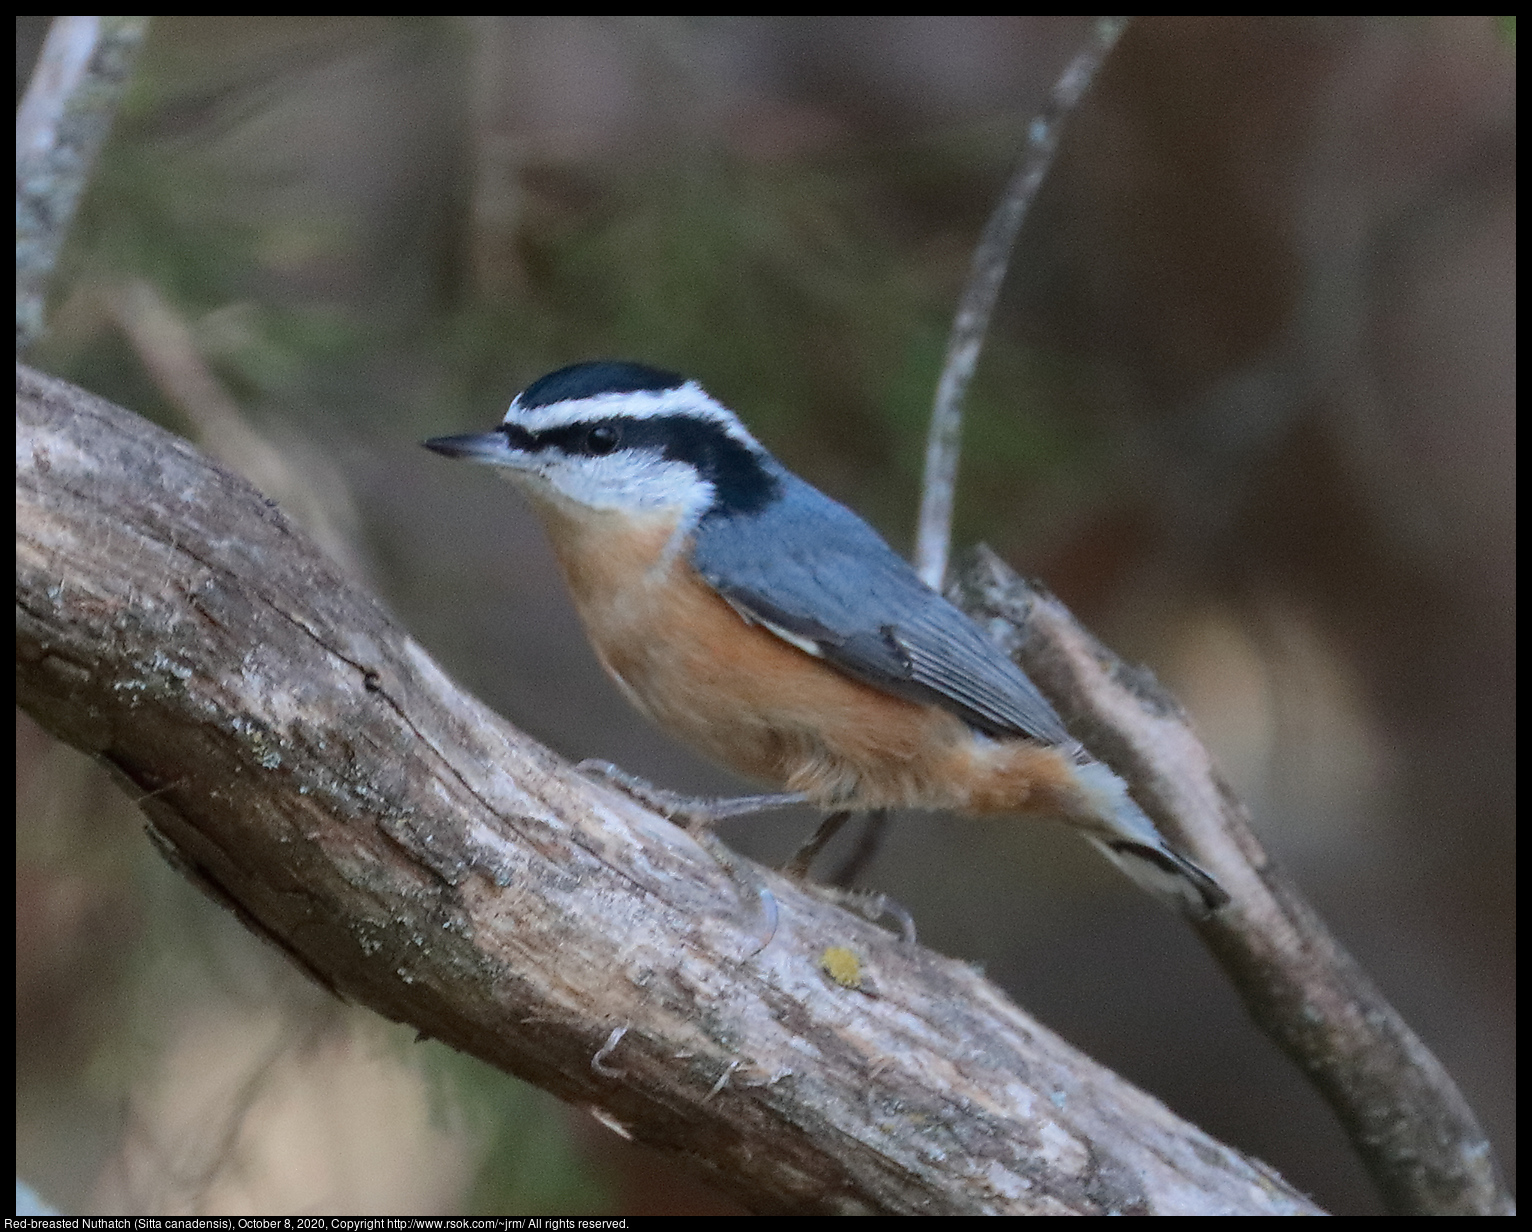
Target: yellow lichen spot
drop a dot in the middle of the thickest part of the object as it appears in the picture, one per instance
(842, 966)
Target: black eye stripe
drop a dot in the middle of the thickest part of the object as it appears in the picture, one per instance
(742, 483)
(574, 439)
(519, 437)
(588, 439)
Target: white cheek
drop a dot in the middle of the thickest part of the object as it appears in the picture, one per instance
(637, 482)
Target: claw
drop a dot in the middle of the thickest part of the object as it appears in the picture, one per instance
(697, 815)
(870, 905)
(745, 878)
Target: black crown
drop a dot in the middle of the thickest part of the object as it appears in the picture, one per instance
(602, 376)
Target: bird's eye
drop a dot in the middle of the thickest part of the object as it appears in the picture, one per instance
(602, 439)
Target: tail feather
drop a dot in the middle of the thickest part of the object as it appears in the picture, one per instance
(1166, 875)
(1130, 840)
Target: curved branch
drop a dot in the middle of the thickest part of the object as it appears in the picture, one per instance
(304, 760)
(1409, 1123)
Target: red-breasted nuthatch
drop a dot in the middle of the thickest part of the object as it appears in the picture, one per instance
(774, 631)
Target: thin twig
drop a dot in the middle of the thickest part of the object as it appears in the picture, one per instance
(990, 259)
(60, 125)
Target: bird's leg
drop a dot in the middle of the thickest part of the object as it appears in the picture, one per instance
(867, 903)
(865, 851)
(798, 864)
(695, 814)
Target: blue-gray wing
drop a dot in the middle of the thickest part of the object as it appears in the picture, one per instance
(816, 575)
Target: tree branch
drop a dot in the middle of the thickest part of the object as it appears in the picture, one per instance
(305, 761)
(1406, 1118)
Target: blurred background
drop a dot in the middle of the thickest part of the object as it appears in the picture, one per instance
(1247, 406)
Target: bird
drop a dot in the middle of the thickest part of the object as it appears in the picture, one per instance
(775, 632)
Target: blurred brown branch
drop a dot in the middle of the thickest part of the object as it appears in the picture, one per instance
(1405, 1116)
(304, 761)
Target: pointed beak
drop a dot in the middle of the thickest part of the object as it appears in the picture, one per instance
(490, 448)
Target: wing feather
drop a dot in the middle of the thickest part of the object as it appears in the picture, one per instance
(811, 571)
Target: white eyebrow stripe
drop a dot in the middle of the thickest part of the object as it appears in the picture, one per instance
(689, 399)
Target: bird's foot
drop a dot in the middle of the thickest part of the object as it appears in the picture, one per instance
(697, 815)
(869, 904)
